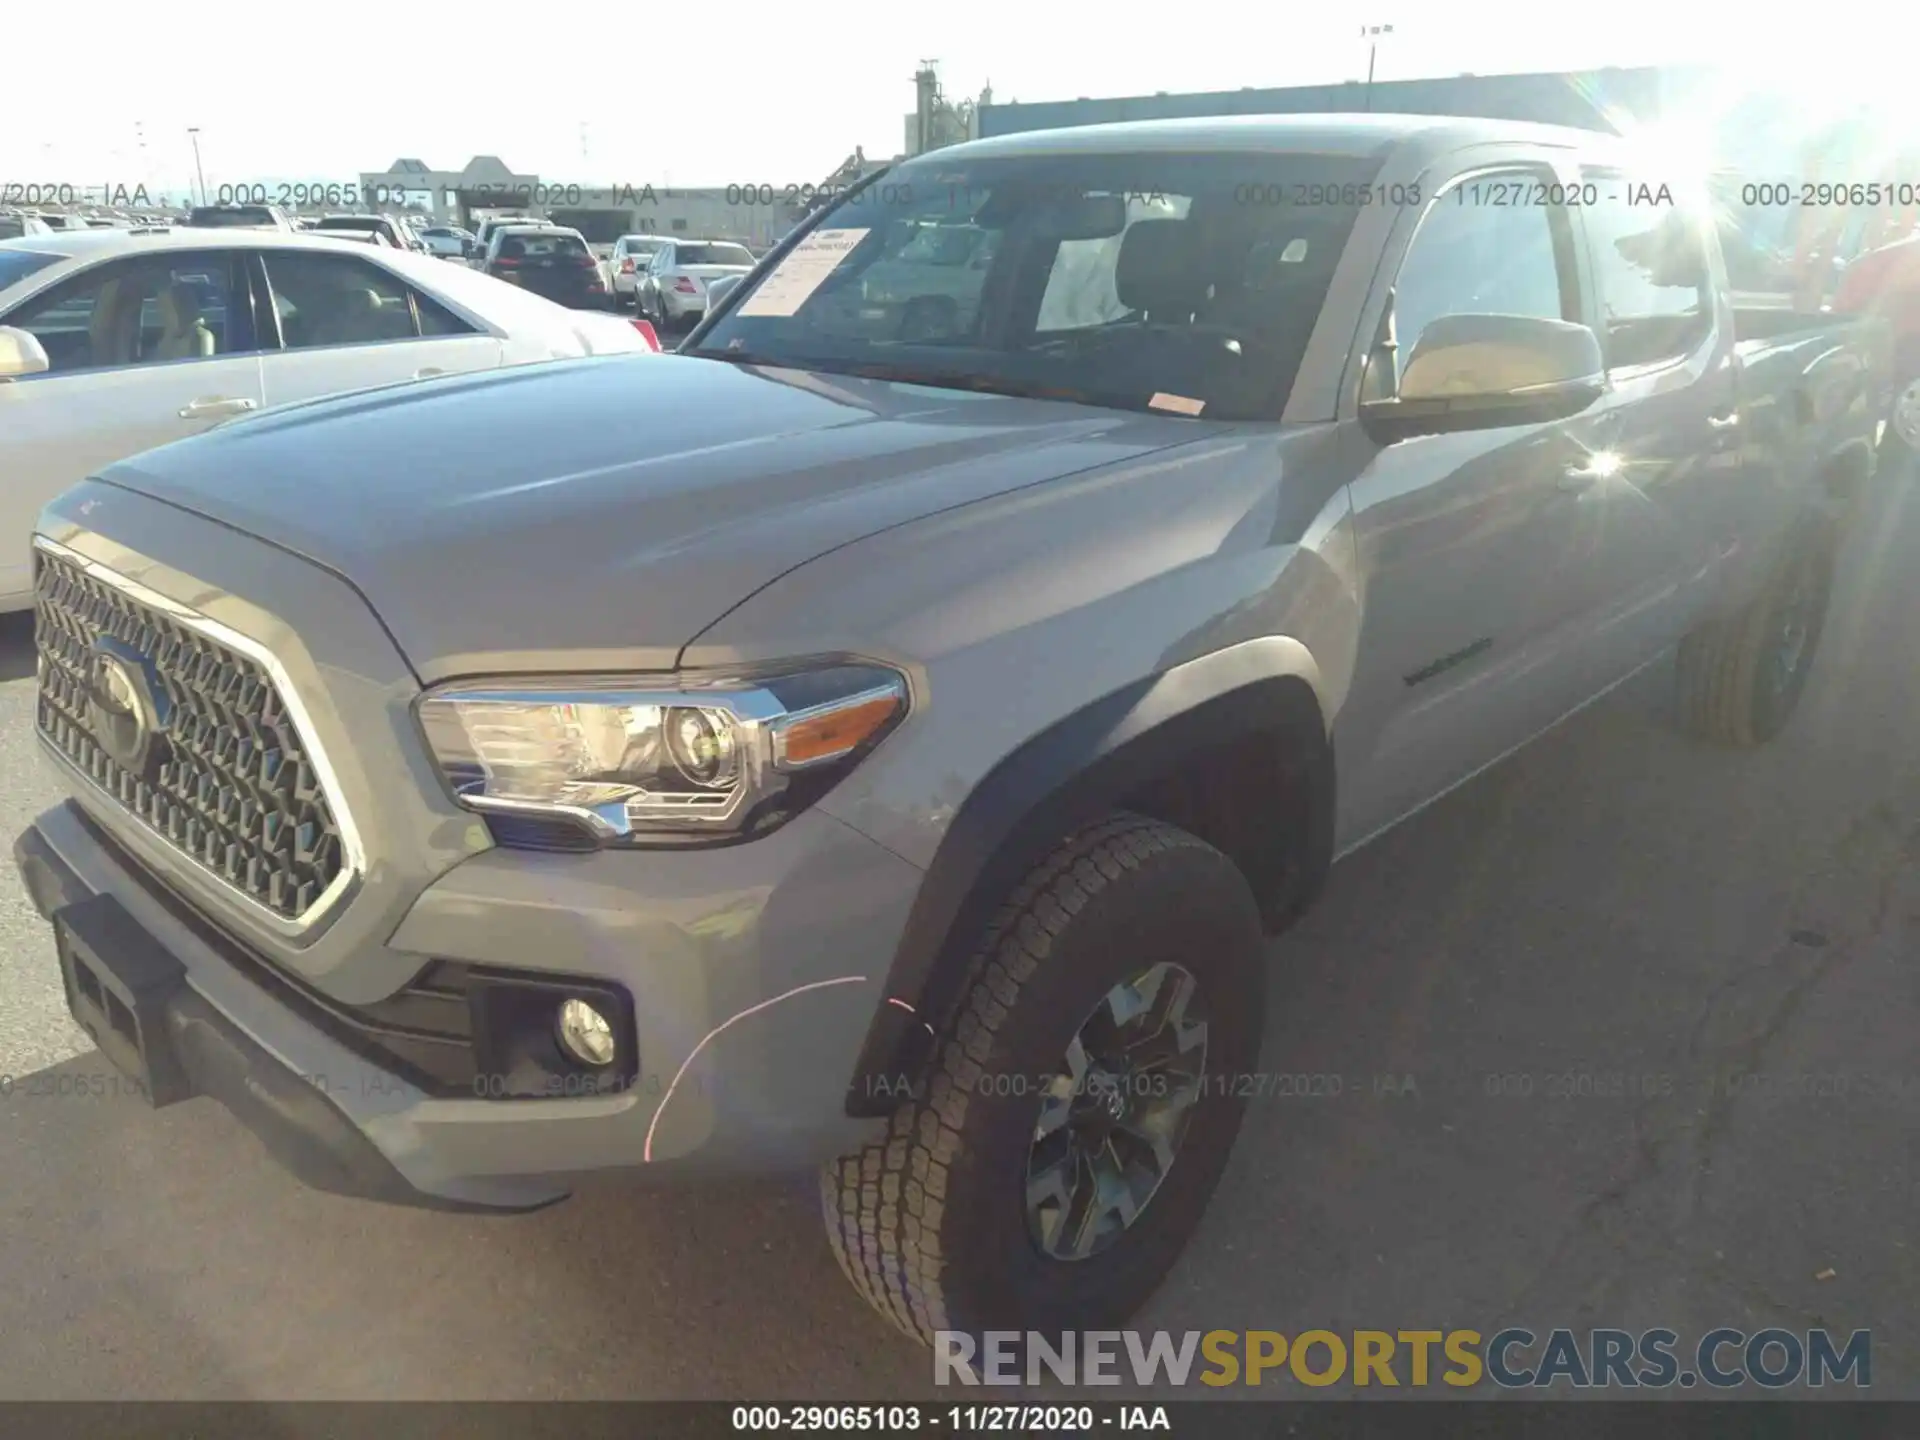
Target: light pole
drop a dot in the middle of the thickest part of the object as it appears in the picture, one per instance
(1371, 34)
(193, 134)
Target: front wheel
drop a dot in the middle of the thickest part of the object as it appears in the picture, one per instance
(1740, 678)
(1083, 1101)
(1903, 423)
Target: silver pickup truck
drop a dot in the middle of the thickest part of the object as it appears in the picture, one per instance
(880, 738)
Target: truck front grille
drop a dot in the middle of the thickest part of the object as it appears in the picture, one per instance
(228, 780)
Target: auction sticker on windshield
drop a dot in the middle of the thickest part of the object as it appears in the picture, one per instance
(801, 272)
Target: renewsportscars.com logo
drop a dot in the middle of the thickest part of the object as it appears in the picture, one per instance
(1512, 1359)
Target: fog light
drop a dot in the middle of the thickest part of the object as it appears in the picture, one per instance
(586, 1033)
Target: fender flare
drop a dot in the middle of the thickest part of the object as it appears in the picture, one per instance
(1068, 776)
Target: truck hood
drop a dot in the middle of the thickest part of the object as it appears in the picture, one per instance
(601, 513)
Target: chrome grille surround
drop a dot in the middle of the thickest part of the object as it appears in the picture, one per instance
(247, 793)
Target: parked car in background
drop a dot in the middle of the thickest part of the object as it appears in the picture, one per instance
(548, 261)
(1886, 282)
(484, 233)
(718, 289)
(628, 259)
(937, 706)
(365, 237)
(14, 224)
(115, 341)
(239, 217)
(396, 234)
(673, 290)
(449, 242)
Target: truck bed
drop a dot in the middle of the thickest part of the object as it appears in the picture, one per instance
(1813, 387)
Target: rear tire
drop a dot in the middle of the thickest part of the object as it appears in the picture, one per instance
(1902, 438)
(1741, 677)
(936, 1224)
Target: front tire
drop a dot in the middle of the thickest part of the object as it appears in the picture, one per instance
(1021, 1189)
(1740, 678)
(1902, 438)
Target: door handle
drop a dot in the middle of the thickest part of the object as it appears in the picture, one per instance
(214, 408)
(1728, 421)
(427, 372)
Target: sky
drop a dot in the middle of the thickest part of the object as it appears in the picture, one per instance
(785, 93)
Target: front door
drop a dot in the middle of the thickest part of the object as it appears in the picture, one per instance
(1476, 553)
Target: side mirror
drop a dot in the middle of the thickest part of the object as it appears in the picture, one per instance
(719, 289)
(1481, 372)
(21, 353)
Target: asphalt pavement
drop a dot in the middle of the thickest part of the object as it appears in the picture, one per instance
(1622, 1034)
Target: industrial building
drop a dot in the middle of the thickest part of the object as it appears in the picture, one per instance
(1592, 100)
(1754, 130)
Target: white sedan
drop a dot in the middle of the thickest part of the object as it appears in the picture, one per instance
(115, 341)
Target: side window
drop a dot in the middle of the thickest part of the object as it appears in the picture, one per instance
(335, 300)
(1650, 268)
(1484, 248)
(141, 311)
(436, 319)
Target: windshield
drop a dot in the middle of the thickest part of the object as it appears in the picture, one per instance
(713, 255)
(1146, 280)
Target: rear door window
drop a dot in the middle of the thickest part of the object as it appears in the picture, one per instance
(1650, 268)
(325, 300)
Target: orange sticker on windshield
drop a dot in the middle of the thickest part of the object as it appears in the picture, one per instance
(1179, 404)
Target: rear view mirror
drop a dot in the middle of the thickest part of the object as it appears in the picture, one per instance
(1474, 372)
(1084, 217)
(21, 353)
(1055, 217)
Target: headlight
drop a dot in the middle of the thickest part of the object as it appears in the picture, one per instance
(628, 763)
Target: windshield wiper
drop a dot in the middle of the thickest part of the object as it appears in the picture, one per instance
(986, 385)
(934, 379)
(751, 357)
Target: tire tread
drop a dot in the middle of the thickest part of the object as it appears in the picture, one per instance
(884, 1204)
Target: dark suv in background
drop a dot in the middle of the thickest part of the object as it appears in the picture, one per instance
(548, 261)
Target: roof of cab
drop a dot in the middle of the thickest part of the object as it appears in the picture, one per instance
(1330, 134)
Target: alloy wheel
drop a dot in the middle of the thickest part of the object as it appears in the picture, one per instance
(1113, 1117)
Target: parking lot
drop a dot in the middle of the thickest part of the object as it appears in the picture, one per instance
(1622, 1034)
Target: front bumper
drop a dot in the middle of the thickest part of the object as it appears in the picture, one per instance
(724, 1087)
(191, 1049)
